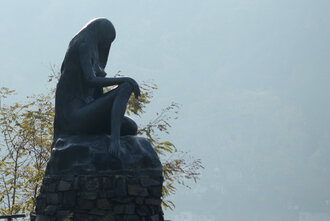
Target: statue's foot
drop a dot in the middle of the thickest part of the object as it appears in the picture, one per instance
(114, 148)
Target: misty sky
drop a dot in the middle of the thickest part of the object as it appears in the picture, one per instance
(252, 77)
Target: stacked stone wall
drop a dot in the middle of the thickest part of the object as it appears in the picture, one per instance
(115, 197)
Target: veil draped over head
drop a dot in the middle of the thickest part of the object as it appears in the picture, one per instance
(99, 33)
(103, 34)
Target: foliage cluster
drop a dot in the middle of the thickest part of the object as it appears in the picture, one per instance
(26, 136)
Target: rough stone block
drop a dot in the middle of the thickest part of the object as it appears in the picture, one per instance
(133, 180)
(119, 218)
(51, 187)
(47, 180)
(155, 218)
(85, 204)
(50, 210)
(53, 198)
(119, 209)
(92, 184)
(97, 212)
(41, 202)
(131, 218)
(76, 183)
(69, 178)
(156, 191)
(89, 195)
(139, 200)
(130, 209)
(89, 154)
(134, 190)
(109, 217)
(64, 186)
(63, 214)
(103, 204)
(120, 187)
(69, 199)
(122, 200)
(143, 210)
(153, 201)
(84, 217)
(106, 183)
(147, 181)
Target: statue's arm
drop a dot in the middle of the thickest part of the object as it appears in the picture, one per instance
(88, 73)
(94, 81)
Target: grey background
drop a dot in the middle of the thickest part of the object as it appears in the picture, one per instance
(252, 77)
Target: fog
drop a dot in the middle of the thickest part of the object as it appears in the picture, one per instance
(252, 78)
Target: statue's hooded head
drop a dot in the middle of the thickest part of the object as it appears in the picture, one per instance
(102, 29)
(103, 33)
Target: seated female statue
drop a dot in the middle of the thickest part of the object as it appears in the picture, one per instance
(81, 107)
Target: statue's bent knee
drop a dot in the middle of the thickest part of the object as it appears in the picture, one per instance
(127, 87)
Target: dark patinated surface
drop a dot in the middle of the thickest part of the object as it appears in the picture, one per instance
(88, 154)
(99, 169)
(81, 107)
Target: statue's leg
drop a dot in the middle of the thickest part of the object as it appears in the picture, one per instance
(124, 91)
(92, 118)
(100, 116)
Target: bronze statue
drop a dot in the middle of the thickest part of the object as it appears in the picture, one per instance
(81, 107)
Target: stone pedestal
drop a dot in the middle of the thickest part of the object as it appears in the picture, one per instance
(80, 190)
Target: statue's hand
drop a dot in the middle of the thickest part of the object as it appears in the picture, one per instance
(136, 88)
